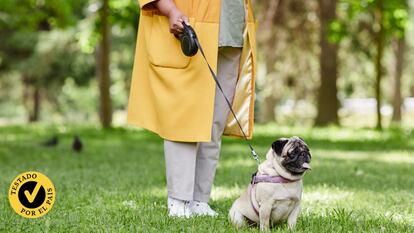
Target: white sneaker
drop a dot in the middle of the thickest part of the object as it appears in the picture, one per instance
(178, 208)
(201, 208)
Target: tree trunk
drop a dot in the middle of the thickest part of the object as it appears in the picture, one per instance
(31, 97)
(399, 65)
(327, 96)
(267, 38)
(103, 53)
(378, 61)
(268, 111)
(26, 95)
(35, 111)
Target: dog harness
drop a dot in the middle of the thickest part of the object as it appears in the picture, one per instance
(265, 179)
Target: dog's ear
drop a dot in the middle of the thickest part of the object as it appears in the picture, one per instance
(278, 145)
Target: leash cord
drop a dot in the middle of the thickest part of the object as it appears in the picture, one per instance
(254, 154)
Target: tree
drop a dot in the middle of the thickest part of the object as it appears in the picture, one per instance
(399, 51)
(288, 33)
(327, 110)
(379, 42)
(123, 13)
(399, 46)
(20, 27)
(388, 14)
(380, 20)
(102, 66)
(267, 38)
(36, 35)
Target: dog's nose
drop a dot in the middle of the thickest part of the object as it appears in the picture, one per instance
(306, 165)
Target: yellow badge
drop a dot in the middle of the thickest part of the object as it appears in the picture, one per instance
(32, 194)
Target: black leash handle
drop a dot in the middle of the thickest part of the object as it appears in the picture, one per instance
(253, 152)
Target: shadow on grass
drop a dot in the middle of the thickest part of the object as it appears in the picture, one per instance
(391, 140)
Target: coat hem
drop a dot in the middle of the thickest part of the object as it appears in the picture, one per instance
(170, 137)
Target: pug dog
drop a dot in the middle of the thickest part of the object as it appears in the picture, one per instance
(276, 189)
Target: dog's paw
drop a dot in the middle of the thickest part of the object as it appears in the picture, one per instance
(264, 228)
(236, 218)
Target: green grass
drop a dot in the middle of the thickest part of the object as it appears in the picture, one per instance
(362, 180)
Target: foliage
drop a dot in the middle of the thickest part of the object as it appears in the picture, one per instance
(54, 42)
(57, 43)
(356, 29)
(39, 15)
(396, 13)
(356, 21)
(34, 46)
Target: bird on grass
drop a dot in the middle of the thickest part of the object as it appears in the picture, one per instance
(51, 142)
(77, 144)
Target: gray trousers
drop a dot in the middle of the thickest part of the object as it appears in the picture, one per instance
(191, 166)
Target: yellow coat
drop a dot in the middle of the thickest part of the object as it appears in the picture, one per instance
(173, 95)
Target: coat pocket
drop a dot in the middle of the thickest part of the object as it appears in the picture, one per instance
(164, 49)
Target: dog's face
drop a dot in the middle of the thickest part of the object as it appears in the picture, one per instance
(293, 154)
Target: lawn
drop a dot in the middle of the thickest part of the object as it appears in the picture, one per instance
(362, 180)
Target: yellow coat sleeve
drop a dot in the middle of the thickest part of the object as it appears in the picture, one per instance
(143, 3)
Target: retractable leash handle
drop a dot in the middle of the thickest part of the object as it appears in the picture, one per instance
(190, 46)
(188, 41)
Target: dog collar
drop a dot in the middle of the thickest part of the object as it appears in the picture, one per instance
(269, 179)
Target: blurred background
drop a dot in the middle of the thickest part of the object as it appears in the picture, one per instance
(341, 62)
(65, 73)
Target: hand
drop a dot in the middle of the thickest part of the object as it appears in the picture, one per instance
(176, 18)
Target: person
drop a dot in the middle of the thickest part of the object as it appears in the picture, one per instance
(176, 97)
